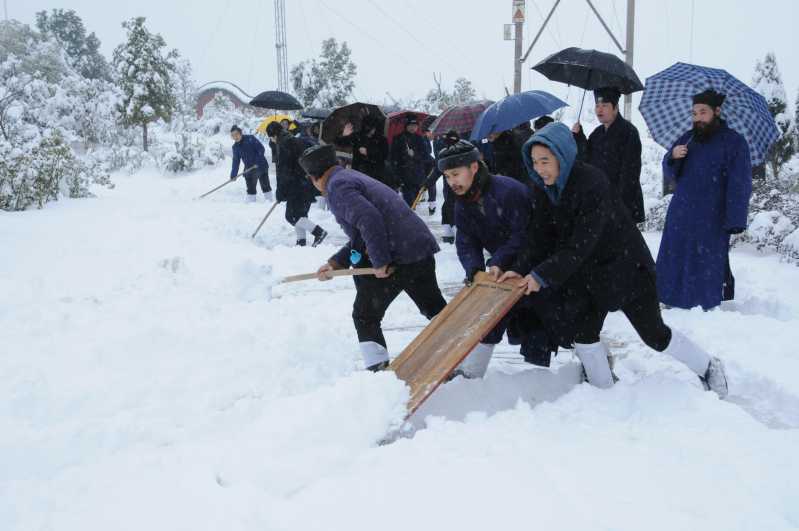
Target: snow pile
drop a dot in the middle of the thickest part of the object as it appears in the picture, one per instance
(154, 376)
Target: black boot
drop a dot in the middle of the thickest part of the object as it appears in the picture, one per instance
(448, 239)
(301, 242)
(319, 234)
(377, 367)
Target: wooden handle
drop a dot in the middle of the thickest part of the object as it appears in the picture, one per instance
(336, 273)
(418, 199)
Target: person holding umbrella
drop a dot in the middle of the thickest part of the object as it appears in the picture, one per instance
(582, 240)
(292, 186)
(713, 172)
(615, 148)
(249, 149)
(410, 155)
(369, 148)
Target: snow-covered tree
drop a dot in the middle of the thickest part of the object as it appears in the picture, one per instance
(144, 73)
(439, 99)
(328, 81)
(83, 50)
(768, 82)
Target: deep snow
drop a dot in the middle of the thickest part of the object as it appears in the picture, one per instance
(149, 382)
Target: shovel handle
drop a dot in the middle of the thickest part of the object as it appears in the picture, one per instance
(336, 273)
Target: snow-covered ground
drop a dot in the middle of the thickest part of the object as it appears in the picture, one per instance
(153, 377)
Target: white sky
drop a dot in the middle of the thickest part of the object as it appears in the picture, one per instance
(398, 44)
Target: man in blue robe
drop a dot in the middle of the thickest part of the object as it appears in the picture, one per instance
(713, 174)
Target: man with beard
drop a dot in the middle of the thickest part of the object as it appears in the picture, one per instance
(384, 234)
(369, 148)
(615, 148)
(410, 155)
(492, 213)
(582, 240)
(713, 174)
(292, 186)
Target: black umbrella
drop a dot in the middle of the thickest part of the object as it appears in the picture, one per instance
(354, 113)
(316, 113)
(590, 70)
(274, 99)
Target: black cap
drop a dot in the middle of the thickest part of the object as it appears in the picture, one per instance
(274, 129)
(540, 123)
(607, 95)
(451, 137)
(316, 160)
(462, 153)
(235, 128)
(709, 97)
(411, 119)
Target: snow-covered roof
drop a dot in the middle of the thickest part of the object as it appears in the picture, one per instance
(228, 87)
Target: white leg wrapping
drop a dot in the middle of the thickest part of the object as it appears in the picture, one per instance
(300, 232)
(448, 230)
(321, 202)
(476, 363)
(594, 358)
(306, 224)
(251, 198)
(269, 196)
(373, 353)
(686, 351)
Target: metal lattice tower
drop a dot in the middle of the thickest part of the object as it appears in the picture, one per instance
(280, 46)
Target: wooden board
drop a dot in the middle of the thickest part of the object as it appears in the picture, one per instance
(451, 335)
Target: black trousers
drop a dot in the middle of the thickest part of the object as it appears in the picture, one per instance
(643, 313)
(297, 208)
(259, 175)
(374, 295)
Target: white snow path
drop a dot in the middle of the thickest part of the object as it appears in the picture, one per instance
(147, 381)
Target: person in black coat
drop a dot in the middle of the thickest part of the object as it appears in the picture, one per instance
(410, 155)
(448, 139)
(492, 213)
(615, 148)
(292, 185)
(582, 239)
(369, 148)
(250, 150)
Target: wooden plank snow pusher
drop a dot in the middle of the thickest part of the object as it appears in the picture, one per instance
(438, 350)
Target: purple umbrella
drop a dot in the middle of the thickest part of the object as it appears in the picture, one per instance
(461, 118)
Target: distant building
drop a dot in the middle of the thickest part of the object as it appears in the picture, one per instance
(233, 92)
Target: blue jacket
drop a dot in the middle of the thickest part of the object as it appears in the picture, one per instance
(251, 151)
(380, 225)
(497, 222)
(710, 202)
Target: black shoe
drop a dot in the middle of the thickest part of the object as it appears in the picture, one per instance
(319, 234)
(448, 239)
(377, 367)
(301, 243)
(431, 210)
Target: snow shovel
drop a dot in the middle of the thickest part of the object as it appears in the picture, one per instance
(419, 196)
(265, 218)
(227, 182)
(336, 273)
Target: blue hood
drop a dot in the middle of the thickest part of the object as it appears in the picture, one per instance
(558, 138)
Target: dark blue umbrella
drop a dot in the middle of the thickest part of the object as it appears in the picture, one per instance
(513, 110)
(666, 106)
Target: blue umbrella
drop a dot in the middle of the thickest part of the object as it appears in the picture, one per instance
(666, 106)
(513, 110)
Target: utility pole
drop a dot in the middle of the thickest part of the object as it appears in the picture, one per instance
(280, 46)
(628, 53)
(518, 22)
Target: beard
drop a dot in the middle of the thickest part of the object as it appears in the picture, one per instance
(703, 131)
